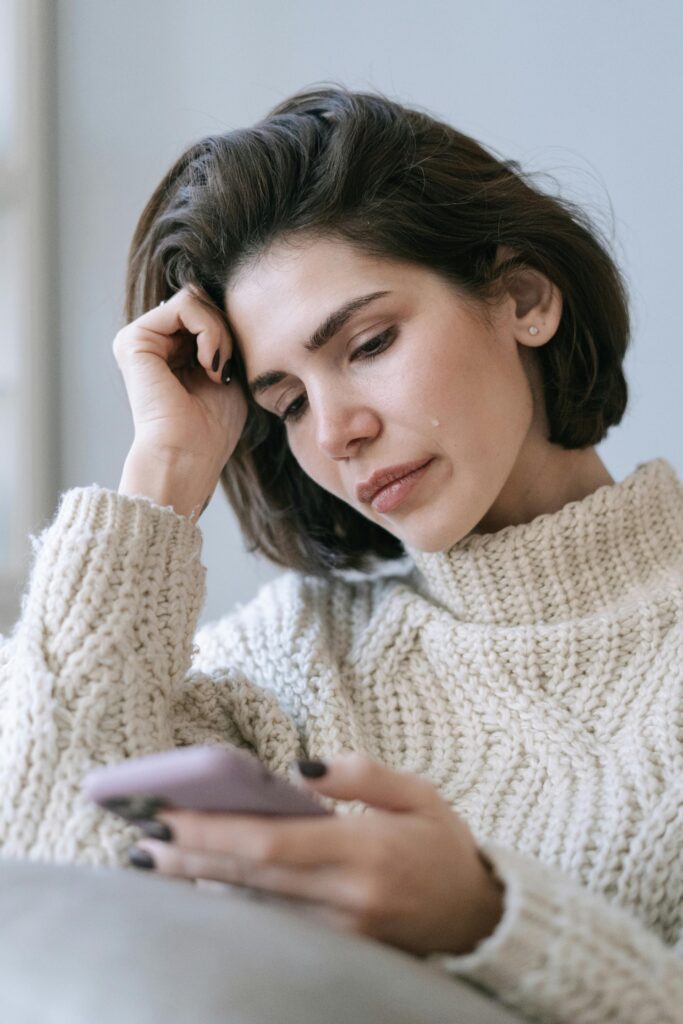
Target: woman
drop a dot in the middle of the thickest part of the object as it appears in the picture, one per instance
(383, 341)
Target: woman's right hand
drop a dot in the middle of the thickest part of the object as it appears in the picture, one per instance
(187, 421)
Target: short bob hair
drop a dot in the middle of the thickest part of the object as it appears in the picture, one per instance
(396, 183)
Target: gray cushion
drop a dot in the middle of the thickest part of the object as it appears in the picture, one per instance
(84, 945)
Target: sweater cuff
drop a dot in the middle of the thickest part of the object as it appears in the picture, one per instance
(113, 562)
(94, 509)
(518, 948)
(140, 543)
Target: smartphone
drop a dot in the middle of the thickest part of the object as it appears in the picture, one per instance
(200, 778)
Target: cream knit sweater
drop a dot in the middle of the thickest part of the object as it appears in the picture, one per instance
(534, 675)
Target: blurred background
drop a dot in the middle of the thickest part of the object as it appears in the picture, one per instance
(99, 97)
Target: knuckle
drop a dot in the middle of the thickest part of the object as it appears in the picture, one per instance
(238, 871)
(169, 859)
(122, 340)
(266, 849)
(118, 343)
(368, 900)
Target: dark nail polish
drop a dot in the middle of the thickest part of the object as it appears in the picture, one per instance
(312, 769)
(216, 360)
(135, 806)
(227, 370)
(156, 830)
(194, 361)
(140, 858)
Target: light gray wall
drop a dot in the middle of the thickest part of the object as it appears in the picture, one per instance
(588, 91)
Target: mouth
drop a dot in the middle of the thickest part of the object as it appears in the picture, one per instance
(388, 488)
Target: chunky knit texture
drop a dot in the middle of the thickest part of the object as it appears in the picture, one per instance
(534, 675)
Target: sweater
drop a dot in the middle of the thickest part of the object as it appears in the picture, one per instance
(533, 675)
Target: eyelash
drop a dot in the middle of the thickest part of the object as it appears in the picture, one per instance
(291, 415)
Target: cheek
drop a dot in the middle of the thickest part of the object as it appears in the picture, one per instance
(500, 417)
(310, 459)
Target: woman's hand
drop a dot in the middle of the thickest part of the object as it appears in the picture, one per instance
(408, 873)
(175, 361)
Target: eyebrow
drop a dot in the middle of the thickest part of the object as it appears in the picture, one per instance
(320, 337)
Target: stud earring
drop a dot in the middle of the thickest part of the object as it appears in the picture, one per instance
(533, 330)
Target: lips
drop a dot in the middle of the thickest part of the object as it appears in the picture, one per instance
(367, 491)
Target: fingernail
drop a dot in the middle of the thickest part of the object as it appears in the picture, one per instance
(312, 769)
(227, 369)
(216, 360)
(135, 806)
(140, 858)
(195, 356)
(156, 830)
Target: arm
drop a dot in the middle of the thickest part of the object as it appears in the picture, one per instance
(97, 670)
(565, 955)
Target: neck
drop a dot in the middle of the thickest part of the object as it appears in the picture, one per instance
(543, 481)
(607, 549)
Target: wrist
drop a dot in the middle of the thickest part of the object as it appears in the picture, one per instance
(168, 480)
(490, 906)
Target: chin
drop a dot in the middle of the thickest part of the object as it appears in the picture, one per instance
(431, 541)
(436, 536)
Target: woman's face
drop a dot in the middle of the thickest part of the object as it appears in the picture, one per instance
(414, 375)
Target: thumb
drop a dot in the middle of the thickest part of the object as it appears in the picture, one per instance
(358, 777)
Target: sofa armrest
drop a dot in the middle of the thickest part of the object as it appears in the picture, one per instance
(82, 944)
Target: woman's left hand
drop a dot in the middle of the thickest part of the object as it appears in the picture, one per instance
(409, 873)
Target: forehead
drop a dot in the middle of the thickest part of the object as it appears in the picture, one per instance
(292, 286)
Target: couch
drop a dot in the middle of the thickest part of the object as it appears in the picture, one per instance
(86, 945)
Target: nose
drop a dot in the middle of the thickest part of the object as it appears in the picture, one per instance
(341, 425)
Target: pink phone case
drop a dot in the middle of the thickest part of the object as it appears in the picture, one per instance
(201, 778)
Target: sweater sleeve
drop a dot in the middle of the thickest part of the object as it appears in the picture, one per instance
(98, 669)
(562, 954)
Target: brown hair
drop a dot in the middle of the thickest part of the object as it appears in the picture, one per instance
(397, 183)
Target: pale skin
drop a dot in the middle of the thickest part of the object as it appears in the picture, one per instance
(445, 383)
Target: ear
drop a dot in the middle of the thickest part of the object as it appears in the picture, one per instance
(533, 302)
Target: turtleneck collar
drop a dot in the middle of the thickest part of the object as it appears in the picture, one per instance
(568, 564)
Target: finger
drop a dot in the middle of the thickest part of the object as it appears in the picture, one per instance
(294, 841)
(213, 343)
(186, 313)
(184, 355)
(327, 885)
(358, 777)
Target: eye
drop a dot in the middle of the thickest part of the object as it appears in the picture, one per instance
(376, 345)
(293, 410)
(368, 351)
